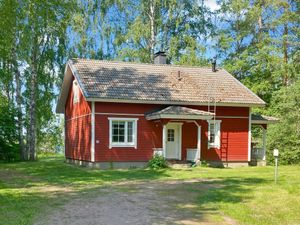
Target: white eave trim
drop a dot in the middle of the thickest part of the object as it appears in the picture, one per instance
(173, 102)
(174, 116)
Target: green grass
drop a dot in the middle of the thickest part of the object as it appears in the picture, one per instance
(248, 195)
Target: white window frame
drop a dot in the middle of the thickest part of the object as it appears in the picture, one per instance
(75, 92)
(132, 144)
(217, 141)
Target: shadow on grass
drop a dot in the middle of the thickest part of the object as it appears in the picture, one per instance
(20, 202)
(55, 172)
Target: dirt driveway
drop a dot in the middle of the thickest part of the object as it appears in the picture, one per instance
(168, 202)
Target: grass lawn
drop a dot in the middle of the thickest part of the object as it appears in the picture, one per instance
(248, 195)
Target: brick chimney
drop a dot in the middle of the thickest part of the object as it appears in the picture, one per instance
(160, 58)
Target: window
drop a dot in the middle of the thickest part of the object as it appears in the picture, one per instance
(170, 135)
(75, 92)
(122, 132)
(214, 133)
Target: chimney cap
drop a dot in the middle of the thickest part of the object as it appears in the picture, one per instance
(160, 53)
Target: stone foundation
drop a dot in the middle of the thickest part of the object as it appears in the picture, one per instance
(107, 165)
(221, 164)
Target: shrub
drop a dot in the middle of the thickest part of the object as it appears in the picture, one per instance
(157, 162)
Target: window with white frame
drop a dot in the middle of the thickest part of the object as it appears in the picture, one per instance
(214, 133)
(75, 92)
(122, 132)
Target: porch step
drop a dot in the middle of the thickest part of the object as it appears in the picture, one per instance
(177, 164)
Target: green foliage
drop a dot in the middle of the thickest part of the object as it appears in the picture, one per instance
(8, 138)
(285, 135)
(157, 162)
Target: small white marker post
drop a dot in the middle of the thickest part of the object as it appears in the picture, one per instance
(276, 154)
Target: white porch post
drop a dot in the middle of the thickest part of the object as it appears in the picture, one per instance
(199, 141)
(164, 140)
(264, 135)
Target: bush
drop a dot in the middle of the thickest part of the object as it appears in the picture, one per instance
(9, 153)
(157, 162)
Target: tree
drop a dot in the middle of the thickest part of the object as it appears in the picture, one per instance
(180, 28)
(285, 135)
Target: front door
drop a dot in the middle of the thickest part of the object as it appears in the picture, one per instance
(173, 141)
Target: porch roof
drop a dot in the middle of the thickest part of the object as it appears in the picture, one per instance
(262, 119)
(178, 112)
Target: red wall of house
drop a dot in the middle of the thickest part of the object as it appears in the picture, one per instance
(149, 133)
(77, 128)
(234, 134)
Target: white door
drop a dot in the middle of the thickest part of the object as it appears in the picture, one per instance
(173, 141)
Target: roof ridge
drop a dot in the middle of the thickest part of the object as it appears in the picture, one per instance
(146, 64)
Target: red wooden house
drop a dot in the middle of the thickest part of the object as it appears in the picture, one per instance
(118, 114)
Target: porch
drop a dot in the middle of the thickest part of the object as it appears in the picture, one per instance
(181, 133)
(258, 148)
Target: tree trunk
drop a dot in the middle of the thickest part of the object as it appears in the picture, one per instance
(19, 107)
(285, 55)
(32, 104)
(152, 29)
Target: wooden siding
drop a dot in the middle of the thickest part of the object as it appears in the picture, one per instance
(77, 128)
(149, 133)
(234, 134)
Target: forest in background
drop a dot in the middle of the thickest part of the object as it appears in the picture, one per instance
(255, 40)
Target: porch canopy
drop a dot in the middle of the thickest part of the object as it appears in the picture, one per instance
(179, 112)
(259, 119)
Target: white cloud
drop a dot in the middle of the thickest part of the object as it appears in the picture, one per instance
(212, 4)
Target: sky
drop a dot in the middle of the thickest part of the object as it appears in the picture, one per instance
(211, 4)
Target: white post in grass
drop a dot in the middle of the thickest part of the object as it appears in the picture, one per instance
(276, 154)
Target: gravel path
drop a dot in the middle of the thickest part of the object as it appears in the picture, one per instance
(171, 202)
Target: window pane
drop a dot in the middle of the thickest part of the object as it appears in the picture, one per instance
(122, 138)
(212, 133)
(171, 135)
(118, 131)
(129, 132)
(115, 138)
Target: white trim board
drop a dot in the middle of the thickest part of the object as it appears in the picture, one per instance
(173, 102)
(77, 117)
(249, 136)
(118, 114)
(93, 133)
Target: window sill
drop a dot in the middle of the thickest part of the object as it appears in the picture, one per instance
(122, 146)
(213, 146)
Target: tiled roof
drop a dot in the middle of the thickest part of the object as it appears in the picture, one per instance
(164, 83)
